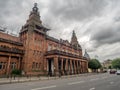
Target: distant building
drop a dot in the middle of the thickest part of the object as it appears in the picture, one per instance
(107, 64)
(34, 52)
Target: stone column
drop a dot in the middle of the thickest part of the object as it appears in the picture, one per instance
(66, 66)
(87, 65)
(47, 69)
(45, 66)
(74, 67)
(70, 66)
(81, 67)
(77, 68)
(84, 66)
(62, 66)
(8, 65)
(56, 66)
(19, 62)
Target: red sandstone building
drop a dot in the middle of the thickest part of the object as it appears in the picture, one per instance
(34, 52)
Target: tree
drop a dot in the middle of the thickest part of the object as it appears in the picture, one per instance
(116, 63)
(110, 67)
(15, 72)
(94, 64)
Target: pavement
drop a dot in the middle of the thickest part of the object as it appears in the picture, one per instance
(86, 82)
(40, 78)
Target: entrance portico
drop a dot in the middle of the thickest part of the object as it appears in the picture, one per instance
(65, 65)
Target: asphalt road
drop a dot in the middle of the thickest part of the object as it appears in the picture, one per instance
(93, 82)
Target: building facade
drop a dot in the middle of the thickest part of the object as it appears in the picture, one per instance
(107, 64)
(34, 52)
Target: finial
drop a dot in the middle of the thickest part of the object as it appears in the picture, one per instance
(35, 4)
(35, 8)
(73, 31)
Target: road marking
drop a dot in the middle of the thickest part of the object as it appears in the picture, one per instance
(44, 87)
(94, 79)
(111, 82)
(104, 77)
(75, 82)
(92, 89)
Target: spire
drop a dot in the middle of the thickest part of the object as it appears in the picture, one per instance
(74, 33)
(34, 14)
(74, 39)
(86, 55)
(35, 10)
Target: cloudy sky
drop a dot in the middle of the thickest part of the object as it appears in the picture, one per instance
(96, 22)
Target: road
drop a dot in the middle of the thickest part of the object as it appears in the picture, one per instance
(92, 82)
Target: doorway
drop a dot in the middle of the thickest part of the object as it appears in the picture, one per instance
(50, 67)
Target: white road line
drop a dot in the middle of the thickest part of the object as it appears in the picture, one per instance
(104, 77)
(92, 89)
(44, 87)
(111, 82)
(76, 82)
(94, 79)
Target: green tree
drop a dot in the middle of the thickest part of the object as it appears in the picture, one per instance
(116, 63)
(16, 72)
(94, 64)
(110, 67)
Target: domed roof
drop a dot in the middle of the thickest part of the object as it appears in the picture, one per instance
(86, 55)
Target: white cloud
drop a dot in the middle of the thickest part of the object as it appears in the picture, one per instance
(96, 22)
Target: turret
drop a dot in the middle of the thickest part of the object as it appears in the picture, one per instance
(74, 41)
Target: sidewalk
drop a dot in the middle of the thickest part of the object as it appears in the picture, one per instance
(28, 79)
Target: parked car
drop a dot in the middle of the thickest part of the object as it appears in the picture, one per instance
(112, 71)
(118, 72)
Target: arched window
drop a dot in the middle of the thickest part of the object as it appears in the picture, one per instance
(0, 65)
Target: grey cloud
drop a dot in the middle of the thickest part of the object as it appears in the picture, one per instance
(106, 34)
(13, 13)
(77, 9)
(62, 16)
(65, 13)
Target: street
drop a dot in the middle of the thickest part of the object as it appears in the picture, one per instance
(92, 82)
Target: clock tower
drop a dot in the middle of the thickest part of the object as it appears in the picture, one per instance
(33, 35)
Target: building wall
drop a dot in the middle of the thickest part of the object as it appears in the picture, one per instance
(35, 43)
(11, 52)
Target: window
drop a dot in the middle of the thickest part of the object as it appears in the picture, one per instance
(39, 65)
(4, 64)
(0, 65)
(49, 47)
(33, 65)
(13, 65)
(36, 65)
